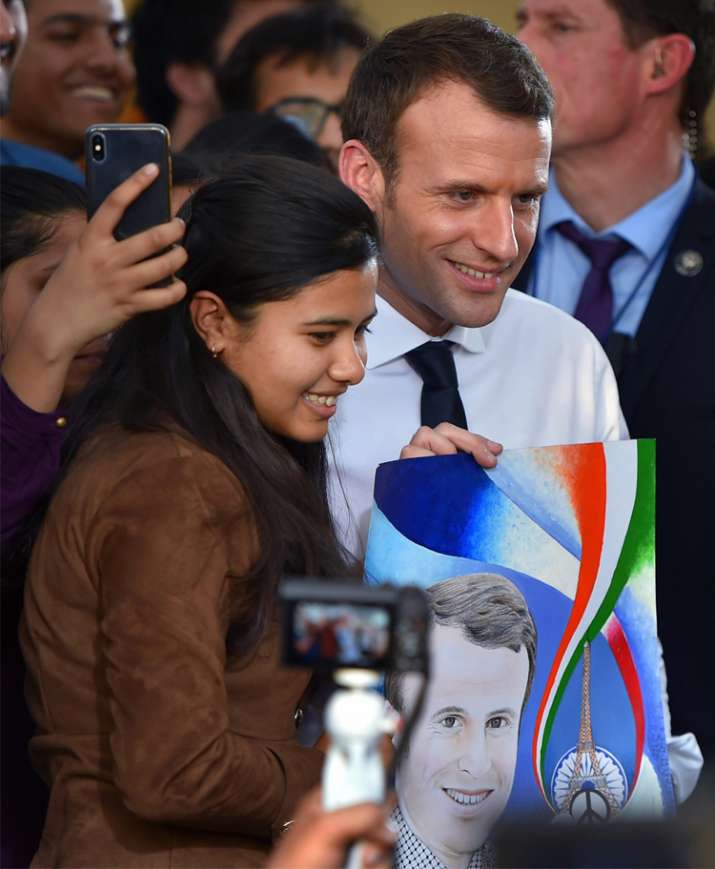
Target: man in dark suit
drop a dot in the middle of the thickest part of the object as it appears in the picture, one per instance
(627, 244)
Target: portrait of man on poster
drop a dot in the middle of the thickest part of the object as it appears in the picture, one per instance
(457, 774)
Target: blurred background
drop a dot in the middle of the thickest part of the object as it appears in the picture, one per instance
(380, 15)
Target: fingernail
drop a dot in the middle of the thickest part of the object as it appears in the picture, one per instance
(494, 446)
(151, 169)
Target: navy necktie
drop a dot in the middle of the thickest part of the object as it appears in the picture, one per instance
(441, 402)
(595, 304)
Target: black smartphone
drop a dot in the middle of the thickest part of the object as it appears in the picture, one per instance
(113, 152)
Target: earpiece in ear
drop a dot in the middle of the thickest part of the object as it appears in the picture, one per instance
(658, 67)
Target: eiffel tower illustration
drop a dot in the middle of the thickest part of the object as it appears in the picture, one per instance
(587, 775)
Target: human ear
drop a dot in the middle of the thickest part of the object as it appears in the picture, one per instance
(393, 723)
(211, 319)
(362, 173)
(191, 83)
(670, 58)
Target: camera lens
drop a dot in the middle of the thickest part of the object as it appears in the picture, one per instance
(97, 147)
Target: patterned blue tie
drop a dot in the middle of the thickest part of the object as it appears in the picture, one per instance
(595, 304)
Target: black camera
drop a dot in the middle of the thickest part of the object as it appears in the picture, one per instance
(98, 148)
(332, 624)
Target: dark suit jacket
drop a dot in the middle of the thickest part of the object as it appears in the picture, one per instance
(667, 387)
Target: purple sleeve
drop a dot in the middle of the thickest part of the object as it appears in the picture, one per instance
(31, 444)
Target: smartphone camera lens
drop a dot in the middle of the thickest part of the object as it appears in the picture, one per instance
(98, 148)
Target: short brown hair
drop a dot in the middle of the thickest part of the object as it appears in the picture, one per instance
(396, 71)
(643, 19)
(489, 610)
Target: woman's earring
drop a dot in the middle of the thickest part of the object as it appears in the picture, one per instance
(214, 352)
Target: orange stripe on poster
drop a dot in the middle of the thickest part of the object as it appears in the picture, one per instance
(582, 470)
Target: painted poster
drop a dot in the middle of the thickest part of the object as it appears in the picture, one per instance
(545, 696)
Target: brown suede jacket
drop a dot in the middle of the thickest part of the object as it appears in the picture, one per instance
(158, 750)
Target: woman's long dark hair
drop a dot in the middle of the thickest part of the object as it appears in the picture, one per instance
(31, 201)
(258, 236)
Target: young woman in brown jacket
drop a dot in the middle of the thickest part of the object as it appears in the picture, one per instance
(195, 479)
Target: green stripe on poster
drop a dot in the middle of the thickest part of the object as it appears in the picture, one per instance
(636, 552)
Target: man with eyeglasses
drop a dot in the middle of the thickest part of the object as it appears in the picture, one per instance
(176, 72)
(297, 65)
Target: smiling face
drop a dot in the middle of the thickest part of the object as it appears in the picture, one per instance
(75, 71)
(299, 355)
(13, 32)
(597, 78)
(461, 215)
(24, 280)
(457, 775)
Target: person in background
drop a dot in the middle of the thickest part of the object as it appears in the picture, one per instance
(219, 147)
(13, 32)
(626, 243)
(222, 142)
(64, 284)
(186, 177)
(706, 170)
(299, 65)
(177, 50)
(195, 479)
(75, 70)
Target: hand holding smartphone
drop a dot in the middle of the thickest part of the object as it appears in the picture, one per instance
(102, 282)
(98, 286)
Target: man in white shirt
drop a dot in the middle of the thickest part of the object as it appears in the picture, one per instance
(448, 137)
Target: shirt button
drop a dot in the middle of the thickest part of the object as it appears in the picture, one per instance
(298, 717)
(61, 422)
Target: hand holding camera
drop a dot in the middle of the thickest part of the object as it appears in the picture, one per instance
(357, 632)
(320, 838)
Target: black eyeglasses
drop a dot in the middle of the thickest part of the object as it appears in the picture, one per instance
(311, 112)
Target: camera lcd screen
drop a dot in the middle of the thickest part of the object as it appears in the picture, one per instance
(340, 634)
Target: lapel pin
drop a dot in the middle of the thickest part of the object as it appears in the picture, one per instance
(688, 263)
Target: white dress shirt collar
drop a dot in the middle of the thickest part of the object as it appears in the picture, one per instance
(392, 335)
(644, 228)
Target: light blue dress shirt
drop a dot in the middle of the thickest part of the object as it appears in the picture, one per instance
(560, 267)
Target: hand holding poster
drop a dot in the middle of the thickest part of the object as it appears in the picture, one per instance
(545, 695)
